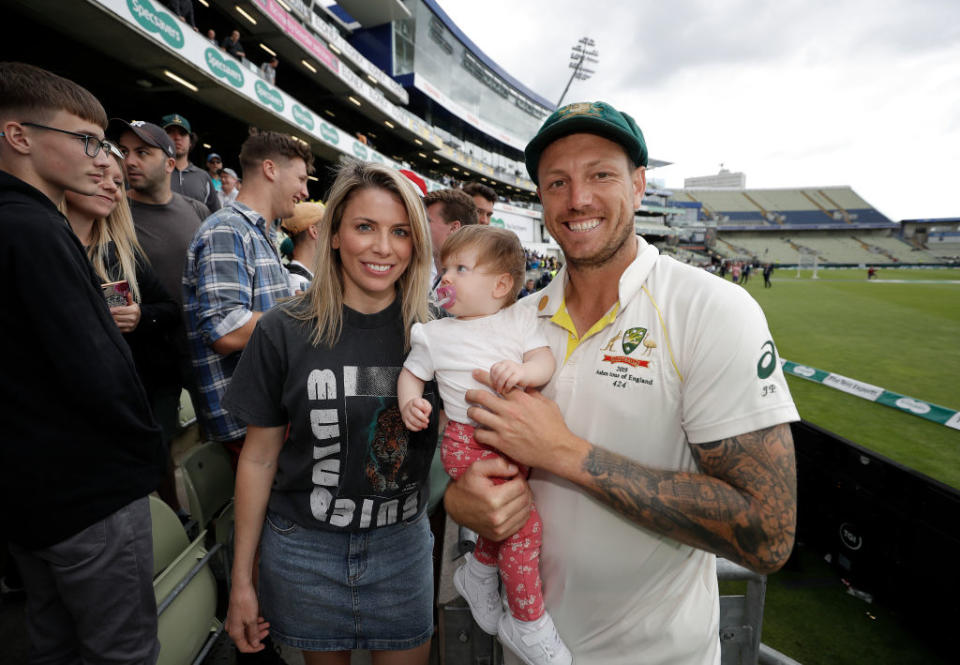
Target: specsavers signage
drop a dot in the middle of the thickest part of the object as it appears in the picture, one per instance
(918, 407)
(517, 220)
(152, 19)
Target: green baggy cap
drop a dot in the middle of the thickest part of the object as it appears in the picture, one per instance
(587, 118)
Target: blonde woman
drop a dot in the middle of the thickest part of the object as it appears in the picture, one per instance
(337, 505)
(103, 224)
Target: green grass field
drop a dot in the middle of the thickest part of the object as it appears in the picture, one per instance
(900, 336)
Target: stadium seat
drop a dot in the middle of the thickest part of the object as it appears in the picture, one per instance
(208, 480)
(184, 588)
(186, 415)
(169, 538)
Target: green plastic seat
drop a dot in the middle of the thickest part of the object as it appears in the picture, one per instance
(185, 590)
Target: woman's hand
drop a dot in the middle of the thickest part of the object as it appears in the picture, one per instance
(126, 317)
(244, 624)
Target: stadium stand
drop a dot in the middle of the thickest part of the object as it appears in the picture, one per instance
(776, 225)
(811, 206)
(830, 247)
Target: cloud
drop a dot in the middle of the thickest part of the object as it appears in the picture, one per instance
(858, 92)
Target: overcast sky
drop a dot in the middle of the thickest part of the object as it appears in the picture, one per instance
(794, 94)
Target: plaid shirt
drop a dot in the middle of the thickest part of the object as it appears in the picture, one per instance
(233, 269)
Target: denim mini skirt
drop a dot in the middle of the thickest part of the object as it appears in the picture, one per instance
(335, 591)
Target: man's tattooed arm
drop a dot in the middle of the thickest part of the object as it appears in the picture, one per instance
(742, 505)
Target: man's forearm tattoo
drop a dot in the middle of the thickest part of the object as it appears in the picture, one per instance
(742, 505)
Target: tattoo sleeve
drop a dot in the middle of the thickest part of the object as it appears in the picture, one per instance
(742, 504)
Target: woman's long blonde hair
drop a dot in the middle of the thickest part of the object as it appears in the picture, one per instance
(323, 300)
(117, 227)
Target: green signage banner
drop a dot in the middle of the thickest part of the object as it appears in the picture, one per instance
(918, 407)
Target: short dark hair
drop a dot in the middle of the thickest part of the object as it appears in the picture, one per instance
(263, 145)
(496, 247)
(29, 92)
(479, 189)
(457, 205)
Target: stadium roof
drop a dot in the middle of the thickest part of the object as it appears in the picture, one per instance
(371, 14)
(434, 6)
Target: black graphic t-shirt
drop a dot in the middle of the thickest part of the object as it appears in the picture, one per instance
(348, 464)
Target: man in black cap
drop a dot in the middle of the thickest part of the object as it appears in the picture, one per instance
(187, 178)
(662, 440)
(165, 222)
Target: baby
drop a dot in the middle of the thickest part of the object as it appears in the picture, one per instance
(483, 269)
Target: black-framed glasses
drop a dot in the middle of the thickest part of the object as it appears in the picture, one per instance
(91, 144)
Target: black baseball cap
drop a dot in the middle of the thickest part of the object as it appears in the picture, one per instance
(148, 132)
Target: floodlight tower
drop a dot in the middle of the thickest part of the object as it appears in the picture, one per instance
(583, 51)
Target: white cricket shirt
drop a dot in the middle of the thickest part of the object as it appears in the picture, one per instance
(684, 357)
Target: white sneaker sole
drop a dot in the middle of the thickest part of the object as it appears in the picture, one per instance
(489, 629)
(518, 652)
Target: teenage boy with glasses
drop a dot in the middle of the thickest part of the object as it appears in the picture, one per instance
(80, 451)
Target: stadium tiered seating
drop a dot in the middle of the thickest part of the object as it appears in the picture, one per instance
(830, 247)
(837, 248)
(897, 249)
(764, 247)
(830, 206)
(945, 250)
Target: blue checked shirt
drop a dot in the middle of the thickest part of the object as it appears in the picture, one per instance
(233, 269)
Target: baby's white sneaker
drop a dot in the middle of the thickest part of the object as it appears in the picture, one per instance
(534, 642)
(479, 585)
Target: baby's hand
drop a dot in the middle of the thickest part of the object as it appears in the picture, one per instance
(416, 414)
(505, 375)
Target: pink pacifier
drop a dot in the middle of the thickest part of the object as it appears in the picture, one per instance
(445, 296)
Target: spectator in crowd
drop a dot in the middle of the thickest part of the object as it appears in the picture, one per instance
(447, 211)
(187, 178)
(214, 167)
(233, 273)
(528, 287)
(212, 36)
(80, 451)
(484, 197)
(184, 10)
(229, 186)
(164, 220)
(268, 70)
(233, 46)
(654, 466)
(165, 223)
(545, 278)
(329, 483)
(304, 230)
(149, 316)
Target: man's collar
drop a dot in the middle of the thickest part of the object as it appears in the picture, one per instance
(550, 298)
(251, 215)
